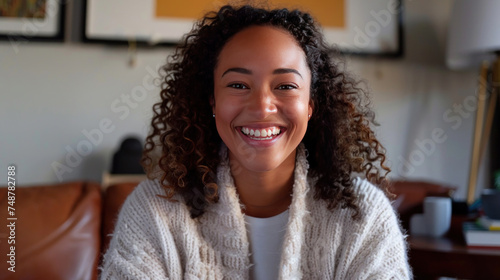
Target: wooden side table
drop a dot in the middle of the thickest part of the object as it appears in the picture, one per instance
(449, 256)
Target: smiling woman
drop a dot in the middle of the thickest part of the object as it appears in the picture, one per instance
(266, 87)
(252, 159)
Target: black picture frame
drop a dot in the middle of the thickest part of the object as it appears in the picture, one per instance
(378, 7)
(50, 29)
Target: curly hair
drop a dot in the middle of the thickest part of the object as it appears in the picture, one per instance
(339, 136)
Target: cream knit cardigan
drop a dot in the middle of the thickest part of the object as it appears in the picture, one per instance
(157, 239)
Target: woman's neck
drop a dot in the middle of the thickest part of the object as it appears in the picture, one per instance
(265, 194)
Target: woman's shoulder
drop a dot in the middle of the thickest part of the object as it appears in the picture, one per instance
(371, 198)
(374, 205)
(150, 196)
(148, 188)
(368, 193)
(145, 192)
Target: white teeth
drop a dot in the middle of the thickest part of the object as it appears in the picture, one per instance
(263, 133)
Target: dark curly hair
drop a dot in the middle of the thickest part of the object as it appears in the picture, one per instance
(339, 138)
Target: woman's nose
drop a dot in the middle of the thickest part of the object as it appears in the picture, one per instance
(262, 103)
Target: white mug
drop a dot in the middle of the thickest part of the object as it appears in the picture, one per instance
(436, 219)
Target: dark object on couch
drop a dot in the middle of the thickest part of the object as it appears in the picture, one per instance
(127, 159)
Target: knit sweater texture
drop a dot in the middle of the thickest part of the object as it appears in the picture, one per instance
(157, 239)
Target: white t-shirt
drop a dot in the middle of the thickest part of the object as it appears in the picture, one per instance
(266, 239)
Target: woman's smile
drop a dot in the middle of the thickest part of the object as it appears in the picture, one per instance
(261, 136)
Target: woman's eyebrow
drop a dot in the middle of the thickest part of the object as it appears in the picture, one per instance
(286, 70)
(248, 72)
(237, 70)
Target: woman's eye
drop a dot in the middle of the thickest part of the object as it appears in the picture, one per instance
(287, 87)
(238, 86)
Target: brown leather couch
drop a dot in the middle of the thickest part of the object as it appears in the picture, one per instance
(62, 230)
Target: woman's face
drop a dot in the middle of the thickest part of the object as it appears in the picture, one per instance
(261, 97)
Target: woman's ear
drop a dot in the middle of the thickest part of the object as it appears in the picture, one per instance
(310, 110)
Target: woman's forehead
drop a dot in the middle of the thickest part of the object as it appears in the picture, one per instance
(262, 46)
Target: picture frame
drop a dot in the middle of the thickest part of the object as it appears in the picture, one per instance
(27, 20)
(368, 27)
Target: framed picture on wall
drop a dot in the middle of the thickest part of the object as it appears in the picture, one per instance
(26, 20)
(355, 26)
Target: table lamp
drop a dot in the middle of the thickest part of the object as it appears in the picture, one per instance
(473, 40)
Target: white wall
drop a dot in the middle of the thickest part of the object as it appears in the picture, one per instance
(416, 100)
(50, 93)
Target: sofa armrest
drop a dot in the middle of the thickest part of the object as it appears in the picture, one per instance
(57, 231)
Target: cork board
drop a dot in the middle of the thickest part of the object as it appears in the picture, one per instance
(328, 13)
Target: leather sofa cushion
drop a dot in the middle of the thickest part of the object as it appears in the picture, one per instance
(55, 231)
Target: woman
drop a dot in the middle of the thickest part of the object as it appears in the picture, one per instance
(253, 154)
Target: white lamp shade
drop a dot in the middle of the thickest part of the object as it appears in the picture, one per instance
(474, 33)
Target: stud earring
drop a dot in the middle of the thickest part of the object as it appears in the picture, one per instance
(214, 115)
(309, 116)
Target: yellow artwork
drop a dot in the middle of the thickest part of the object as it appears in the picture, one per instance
(23, 8)
(329, 13)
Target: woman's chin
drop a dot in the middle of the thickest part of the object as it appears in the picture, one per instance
(260, 163)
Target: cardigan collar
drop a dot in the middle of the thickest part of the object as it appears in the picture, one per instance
(229, 210)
